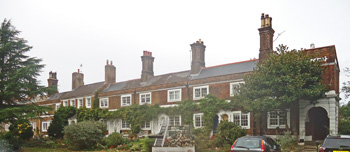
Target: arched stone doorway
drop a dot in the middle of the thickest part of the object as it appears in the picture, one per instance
(317, 123)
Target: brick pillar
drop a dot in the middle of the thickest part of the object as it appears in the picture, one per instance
(77, 79)
(147, 66)
(110, 73)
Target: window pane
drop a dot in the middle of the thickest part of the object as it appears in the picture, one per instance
(171, 95)
(236, 119)
(197, 93)
(197, 121)
(204, 92)
(244, 120)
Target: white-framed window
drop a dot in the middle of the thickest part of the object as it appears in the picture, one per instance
(175, 121)
(72, 102)
(234, 87)
(200, 92)
(65, 103)
(241, 119)
(104, 103)
(45, 126)
(57, 106)
(125, 100)
(198, 120)
(145, 98)
(277, 119)
(80, 103)
(174, 95)
(88, 102)
(7, 127)
(33, 124)
(125, 124)
(146, 125)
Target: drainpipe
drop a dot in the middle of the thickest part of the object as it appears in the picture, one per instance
(134, 96)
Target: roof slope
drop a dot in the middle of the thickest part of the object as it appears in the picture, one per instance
(84, 90)
(232, 68)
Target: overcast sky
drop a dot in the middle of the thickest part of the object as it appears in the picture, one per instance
(70, 33)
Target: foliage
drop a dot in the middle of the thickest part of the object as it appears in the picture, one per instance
(287, 141)
(344, 118)
(284, 78)
(18, 72)
(113, 139)
(45, 142)
(228, 132)
(96, 102)
(22, 129)
(147, 144)
(202, 140)
(84, 135)
(60, 120)
(84, 114)
(5, 146)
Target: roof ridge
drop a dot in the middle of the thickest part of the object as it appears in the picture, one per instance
(231, 63)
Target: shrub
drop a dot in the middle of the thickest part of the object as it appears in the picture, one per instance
(60, 120)
(147, 144)
(84, 135)
(113, 139)
(287, 141)
(228, 132)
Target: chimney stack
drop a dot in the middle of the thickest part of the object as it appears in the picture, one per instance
(77, 79)
(198, 56)
(147, 66)
(109, 73)
(52, 81)
(266, 37)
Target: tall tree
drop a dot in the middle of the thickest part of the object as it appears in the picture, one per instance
(18, 71)
(281, 81)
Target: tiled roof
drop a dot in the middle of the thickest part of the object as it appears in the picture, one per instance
(232, 68)
(84, 90)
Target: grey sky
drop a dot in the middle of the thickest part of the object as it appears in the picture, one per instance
(67, 33)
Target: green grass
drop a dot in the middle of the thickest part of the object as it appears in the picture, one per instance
(34, 149)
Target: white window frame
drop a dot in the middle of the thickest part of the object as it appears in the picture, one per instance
(78, 103)
(240, 113)
(269, 126)
(104, 105)
(174, 91)
(234, 84)
(174, 124)
(122, 126)
(43, 129)
(7, 127)
(57, 105)
(144, 126)
(201, 123)
(33, 125)
(65, 103)
(145, 94)
(86, 102)
(125, 96)
(72, 103)
(200, 93)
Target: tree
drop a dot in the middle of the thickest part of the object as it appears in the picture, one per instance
(18, 82)
(346, 85)
(60, 120)
(18, 72)
(281, 81)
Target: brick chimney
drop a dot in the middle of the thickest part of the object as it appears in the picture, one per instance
(77, 79)
(109, 73)
(52, 81)
(198, 56)
(266, 37)
(147, 66)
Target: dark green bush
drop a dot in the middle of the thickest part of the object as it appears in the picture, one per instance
(113, 139)
(60, 120)
(228, 132)
(84, 135)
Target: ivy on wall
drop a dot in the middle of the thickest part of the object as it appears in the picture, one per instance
(138, 114)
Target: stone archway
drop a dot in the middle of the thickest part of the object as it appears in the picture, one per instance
(317, 123)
